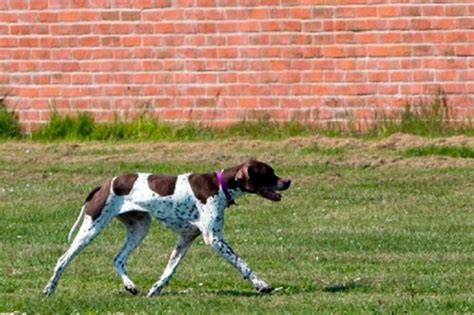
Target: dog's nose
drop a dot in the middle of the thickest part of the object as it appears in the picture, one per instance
(286, 183)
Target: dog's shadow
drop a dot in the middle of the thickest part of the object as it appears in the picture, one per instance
(293, 289)
(230, 292)
(281, 289)
(238, 293)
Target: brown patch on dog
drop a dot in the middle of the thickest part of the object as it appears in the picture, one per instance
(92, 193)
(124, 184)
(96, 200)
(162, 185)
(203, 186)
(206, 185)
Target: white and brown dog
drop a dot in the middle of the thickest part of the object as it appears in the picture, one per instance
(189, 204)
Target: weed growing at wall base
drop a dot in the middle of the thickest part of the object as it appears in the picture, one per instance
(424, 119)
(84, 127)
(9, 125)
(80, 127)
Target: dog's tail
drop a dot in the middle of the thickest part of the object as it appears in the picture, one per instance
(81, 214)
(76, 224)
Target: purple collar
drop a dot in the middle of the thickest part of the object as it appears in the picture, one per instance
(223, 185)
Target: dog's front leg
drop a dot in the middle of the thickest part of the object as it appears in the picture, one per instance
(177, 255)
(224, 250)
(211, 228)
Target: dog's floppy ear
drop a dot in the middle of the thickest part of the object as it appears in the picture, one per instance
(243, 177)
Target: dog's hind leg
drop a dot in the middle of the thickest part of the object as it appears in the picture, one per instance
(88, 231)
(137, 225)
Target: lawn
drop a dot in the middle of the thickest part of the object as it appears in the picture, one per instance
(367, 227)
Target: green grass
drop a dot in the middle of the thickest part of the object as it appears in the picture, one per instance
(344, 239)
(452, 151)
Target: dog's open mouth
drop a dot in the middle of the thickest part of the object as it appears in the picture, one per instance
(270, 194)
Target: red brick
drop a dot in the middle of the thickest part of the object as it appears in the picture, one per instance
(130, 15)
(110, 15)
(99, 3)
(183, 102)
(8, 17)
(449, 75)
(259, 13)
(378, 76)
(40, 54)
(205, 102)
(333, 76)
(29, 92)
(8, 42)
(267, 102)
(38, 4)
(89, 41)
(433, 10)
(79, 4)
(443, 23)
(464, 50)
(398, 24)
(68, 16)
(456, 10)
(237, 40)
(18, 4)
(322, 12)
(249, 26)
(164, 28)
(345, 64)
(300, 13)
(433, 37)
(174, 114)
(459, 37)
(131, 41)
(290, 26)
(388, 11)
(423, 76)
(333, 51)
(378, 51)
(142, 78)
(227, 52)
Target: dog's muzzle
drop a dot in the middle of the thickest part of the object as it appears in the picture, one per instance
(271, 193)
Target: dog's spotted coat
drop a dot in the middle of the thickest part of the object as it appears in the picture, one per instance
(188, 204)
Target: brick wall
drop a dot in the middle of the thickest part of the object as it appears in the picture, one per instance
(222, 61)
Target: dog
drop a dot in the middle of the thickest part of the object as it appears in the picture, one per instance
(189, 204)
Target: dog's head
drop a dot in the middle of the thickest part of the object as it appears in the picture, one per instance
(259, 178)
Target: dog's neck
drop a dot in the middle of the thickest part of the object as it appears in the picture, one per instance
(228, 177)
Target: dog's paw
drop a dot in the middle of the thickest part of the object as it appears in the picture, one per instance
(265, 290)
(133, 290)
(48, 289)
(154, 291)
